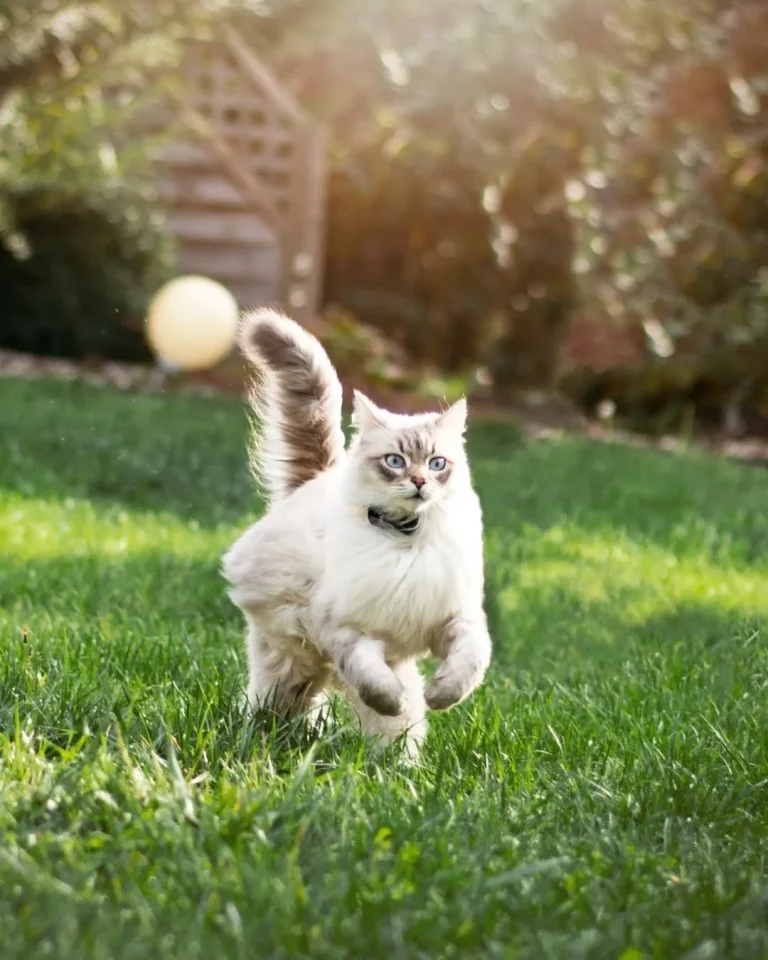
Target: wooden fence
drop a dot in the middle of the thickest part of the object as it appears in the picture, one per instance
(244, 191)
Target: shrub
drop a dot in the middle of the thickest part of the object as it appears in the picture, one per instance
(80, 251)
(80, 283)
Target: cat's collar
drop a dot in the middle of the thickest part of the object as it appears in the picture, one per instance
(406, 526)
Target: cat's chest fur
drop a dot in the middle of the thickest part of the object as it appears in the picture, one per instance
(394, 587)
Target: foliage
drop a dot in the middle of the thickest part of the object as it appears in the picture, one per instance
(70, 76)
(500, 171)
(501, 168)
(603, 795)
(672, 207)
(81, 288)
(80, 250)
(415, 142)
(360, 350)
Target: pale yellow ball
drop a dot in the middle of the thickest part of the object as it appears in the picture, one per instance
(192, 323)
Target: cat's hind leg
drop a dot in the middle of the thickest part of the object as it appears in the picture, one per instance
(281, 680)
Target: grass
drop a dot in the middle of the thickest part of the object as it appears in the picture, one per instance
(604, 795)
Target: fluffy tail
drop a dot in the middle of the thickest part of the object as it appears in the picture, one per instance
(296, 400)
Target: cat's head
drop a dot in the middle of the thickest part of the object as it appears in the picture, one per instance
(405, 463)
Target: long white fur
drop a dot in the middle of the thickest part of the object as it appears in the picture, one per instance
(333, 602)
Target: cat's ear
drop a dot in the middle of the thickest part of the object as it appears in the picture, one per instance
(365, 413)
(454, 419)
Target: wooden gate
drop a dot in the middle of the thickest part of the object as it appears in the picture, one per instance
(244, 192)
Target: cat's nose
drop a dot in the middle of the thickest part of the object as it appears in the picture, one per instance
(418, 482)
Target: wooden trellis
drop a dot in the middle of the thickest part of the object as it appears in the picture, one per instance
(244, 193)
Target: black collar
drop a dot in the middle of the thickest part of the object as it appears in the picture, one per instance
(405, 525)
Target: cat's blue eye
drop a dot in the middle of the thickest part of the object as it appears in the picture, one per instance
(437, 464)
(395, 461)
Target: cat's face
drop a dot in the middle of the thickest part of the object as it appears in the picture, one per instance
(403, 463)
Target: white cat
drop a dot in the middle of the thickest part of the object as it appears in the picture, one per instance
(368, 558)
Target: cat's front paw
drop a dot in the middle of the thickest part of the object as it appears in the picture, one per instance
(449, 687)
(388, 700)
(443, 696)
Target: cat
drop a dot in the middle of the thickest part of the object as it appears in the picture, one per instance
(367, 559)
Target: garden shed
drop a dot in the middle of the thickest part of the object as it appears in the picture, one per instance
(244, 191)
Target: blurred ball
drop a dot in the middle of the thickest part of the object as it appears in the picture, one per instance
(192, 323)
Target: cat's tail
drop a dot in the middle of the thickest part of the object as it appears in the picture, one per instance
(296, 400)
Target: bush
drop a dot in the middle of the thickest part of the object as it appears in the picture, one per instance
(80, 252)
(499, 168)
(81, 282)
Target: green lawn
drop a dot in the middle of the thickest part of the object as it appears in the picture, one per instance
(604, 795)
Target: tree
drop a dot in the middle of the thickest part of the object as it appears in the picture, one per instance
(500, 167)
(671, 207)
(82, 245)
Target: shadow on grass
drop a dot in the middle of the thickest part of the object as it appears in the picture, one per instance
(176, 454)
(186, 456)
(554, 632)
